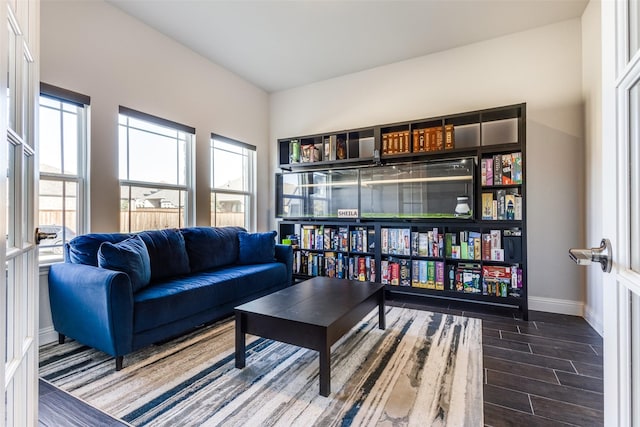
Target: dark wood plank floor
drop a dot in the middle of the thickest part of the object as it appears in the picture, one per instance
(543, 372)
(57, 408)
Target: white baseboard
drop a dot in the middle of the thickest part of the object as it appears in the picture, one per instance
(593, 320)
(47, 335)
(553, 305)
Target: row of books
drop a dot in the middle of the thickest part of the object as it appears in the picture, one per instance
(473, 245)
(427, 243)
(502, 205)
(501, 281)
(319, 237)
(332, 264)
(396, 142)
(395, 241)
(433, 139)
(502, 169)
(415, 273)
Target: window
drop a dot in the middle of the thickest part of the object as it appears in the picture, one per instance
(232, 183)
(156, 174)
(62, 212)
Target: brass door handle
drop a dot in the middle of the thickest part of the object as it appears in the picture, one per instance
(41, 235)
(601, 255)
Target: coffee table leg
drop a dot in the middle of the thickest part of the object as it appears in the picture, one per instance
(382, 323)
(240, 342)
(325, 370)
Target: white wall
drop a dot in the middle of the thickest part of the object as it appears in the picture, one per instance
(592, 89)
(95, 49)
(541, 67)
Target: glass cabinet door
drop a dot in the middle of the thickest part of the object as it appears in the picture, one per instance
(316, 194)
(440, 189)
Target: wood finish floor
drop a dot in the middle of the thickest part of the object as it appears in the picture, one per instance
(543, 372)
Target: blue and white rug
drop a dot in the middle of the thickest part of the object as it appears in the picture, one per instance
(425, 369)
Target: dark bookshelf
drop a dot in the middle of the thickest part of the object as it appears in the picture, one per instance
(431, 171)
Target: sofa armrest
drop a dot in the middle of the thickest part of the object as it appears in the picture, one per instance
(284, 254)
(93, 306)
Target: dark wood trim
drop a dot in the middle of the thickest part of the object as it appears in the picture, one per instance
(156, 120)
(65, 95)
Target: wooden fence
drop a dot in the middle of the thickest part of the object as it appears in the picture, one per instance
(145, 219)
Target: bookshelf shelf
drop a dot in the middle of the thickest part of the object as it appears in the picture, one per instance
(386, 207)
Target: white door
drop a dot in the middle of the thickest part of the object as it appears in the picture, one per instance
(621, 212)
(19, 82)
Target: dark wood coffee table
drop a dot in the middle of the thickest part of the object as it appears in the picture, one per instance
(313, 314)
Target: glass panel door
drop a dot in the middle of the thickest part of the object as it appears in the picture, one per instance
(18, 256)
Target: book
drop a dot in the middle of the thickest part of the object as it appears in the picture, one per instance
(394, 273)
(419, 140)
(405, 272)
(483, 173)
(384, 240)
(449, 140)
(384, 272)
(516, 168)
(415, 274)
(510, 206)
(502, 207)
(475, 239)
(423, 244)
(489, 166)
(438, 143)
(496, 239)
(405, 141)
(406, 242)
(439, 275)
(362, 269)
(486, 247)
(415, 240)
(422, 273)
(517, 207)
(327, 238)
(431, 275)
(506, 170)
(497, 169)
(487, 206)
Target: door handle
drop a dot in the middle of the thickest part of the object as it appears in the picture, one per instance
(41, 235)
(600, 255)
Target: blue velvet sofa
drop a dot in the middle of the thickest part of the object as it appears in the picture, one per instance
(120, 292)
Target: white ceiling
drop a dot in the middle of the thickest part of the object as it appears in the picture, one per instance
(278, 45)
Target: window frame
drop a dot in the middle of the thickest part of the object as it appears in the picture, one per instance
(250, 214)
(80, 177)
(187, 218)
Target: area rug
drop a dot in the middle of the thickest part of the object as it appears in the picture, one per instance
(424, 369)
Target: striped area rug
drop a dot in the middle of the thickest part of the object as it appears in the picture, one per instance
(425, 369)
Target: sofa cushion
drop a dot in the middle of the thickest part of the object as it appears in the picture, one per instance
(167, 253)
(129, 256)
(84, 249)
(257, 248)
(210, 247)
(182, 297)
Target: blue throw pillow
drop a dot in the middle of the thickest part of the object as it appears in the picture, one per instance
(129, 256)
(167, 253)
(211, 247)
(257, 248)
